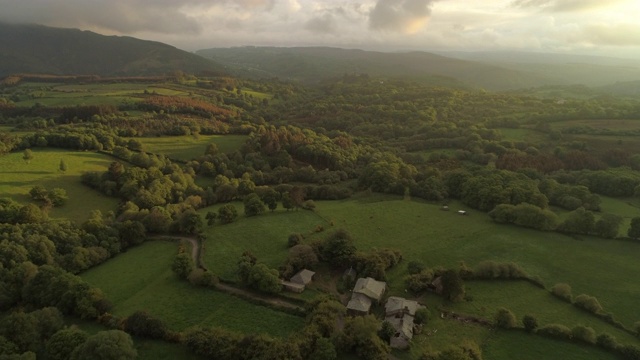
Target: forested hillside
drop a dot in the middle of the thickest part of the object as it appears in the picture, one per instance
(165, 212)
(47, 50)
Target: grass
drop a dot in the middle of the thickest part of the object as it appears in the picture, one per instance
(611, 124)
(141, 279)
(189, 147)
(18, 177)
(525, 135)
(265, 236)
(517, 296)
(147, 349)
(506, 345)
(602, 268)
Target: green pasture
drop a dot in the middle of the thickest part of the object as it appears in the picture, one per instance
(190, 147)
(91, 94)
(264, 235)
(141, 279)
(440, 334)
(147, 349)
(17, 177)
(518, 296)
(606, 269)
(524, 135)
(507, 345)
(611, 124)
(625, 208)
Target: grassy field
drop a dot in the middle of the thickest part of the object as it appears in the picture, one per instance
(602, 268)
(526, 135)
(144, 281)
(265, 236)
(147, 349)
(611, 124)
(189, 147)
(517, 296)
(17, 177)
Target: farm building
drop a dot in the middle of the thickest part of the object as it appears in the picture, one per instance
(299, 281)
(400, 312)
(365, 292)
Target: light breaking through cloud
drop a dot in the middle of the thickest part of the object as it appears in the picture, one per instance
(584, 26)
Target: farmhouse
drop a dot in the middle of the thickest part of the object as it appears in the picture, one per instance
(299, 281)
(365, 292)
(400, 312)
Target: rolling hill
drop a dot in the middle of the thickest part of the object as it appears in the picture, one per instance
(41, 49)
(492, 71)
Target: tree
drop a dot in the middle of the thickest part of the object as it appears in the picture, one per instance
(38, 193)
(607, 226)
(212, 149)
(106, 345)
(63, 166)
(530, 323)
(182, 265)
(338, 249)
(324, 350)
(252, 205)
(588, 303)
(227, 213)
(27, 155)
(58, 197)
(61, 344)
(190, 222)
(452, 286)
(387, 331)
(505, 319)
(141, 323)
(270, 198)
(296, 194)
(634, 230)
(287, 202)
(211, 218)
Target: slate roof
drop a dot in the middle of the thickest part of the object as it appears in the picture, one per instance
(397, 305)
(303, 277)
(370, 287)
(359, 303)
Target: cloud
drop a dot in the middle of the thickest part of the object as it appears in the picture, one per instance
(163, 16)
(564, 5)
(627, 34)
(324, 24)
(404, 16)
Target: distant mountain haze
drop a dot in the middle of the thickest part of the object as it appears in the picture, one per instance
(41, 49)
(492, 71)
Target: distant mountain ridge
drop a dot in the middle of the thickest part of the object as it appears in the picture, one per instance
(485, 70)
(42, 49)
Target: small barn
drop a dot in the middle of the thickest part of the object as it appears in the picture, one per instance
(299, 281)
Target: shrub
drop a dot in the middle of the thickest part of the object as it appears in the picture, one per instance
(588, 303)
(415, 267)
(140, 323)
(418, 283)
(630, 352)
(530, 323)
(295, 239)
(505, 319)
(422, 316)
(563, 291)
(309, 205)
(493, 270)
(200, 277)
(606, 341)
(584, 333)
(555, 331)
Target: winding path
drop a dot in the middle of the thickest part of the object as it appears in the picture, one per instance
(230, 289)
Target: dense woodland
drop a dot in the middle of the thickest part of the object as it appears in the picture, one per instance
(350, 135)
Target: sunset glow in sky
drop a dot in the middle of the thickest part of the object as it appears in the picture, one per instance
(597, 27)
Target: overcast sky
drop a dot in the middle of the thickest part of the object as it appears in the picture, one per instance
(601, 27)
